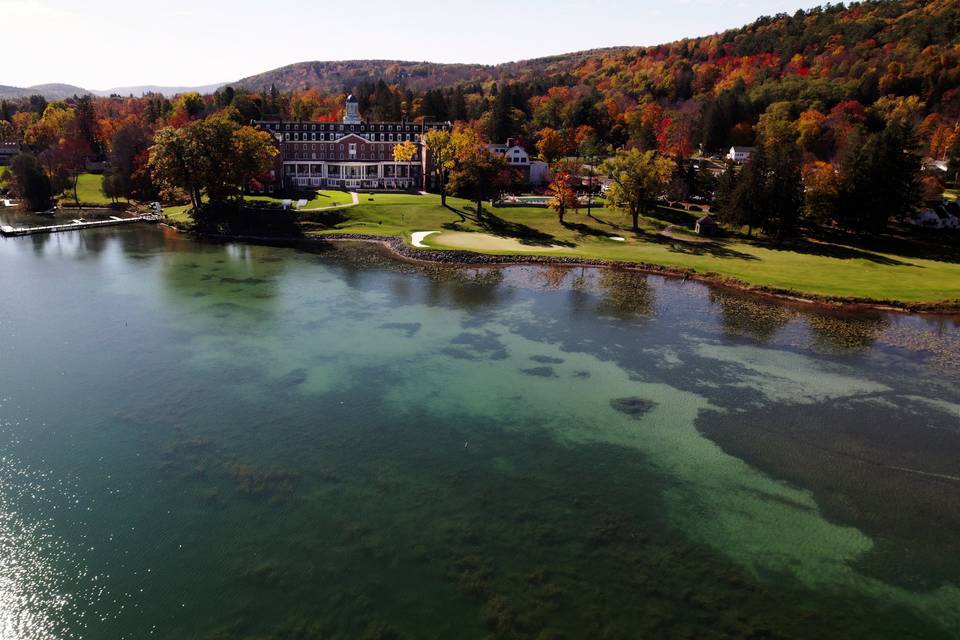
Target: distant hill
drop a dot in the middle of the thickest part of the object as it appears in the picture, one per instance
(335, 76)
(63, 91)
(48, 91)
(152, 88)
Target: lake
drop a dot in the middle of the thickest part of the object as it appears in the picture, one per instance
(213, 441)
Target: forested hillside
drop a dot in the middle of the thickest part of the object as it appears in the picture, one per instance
(843, 103)
(834, 66)
(333, 77)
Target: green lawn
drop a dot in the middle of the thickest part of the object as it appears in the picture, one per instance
(178, 213)
(815, 267)
(88, 191)
(897, 270)
(315, 199)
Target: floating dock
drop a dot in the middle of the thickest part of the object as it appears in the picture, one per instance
(75, 225)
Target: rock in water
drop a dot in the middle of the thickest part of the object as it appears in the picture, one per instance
(633, 407)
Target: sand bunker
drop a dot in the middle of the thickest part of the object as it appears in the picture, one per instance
(418, 236)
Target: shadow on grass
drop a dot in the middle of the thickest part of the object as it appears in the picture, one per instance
(459, 212)
(585, 229)
(497, 226)
(674, 216)
(327, 219)
(904, 242)
(699, 248)
(830, 250)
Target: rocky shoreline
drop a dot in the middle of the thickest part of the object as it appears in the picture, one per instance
(469, 258)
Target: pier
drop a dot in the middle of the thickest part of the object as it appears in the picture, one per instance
(76, 225)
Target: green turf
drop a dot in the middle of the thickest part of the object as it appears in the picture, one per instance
(315, 199)
(819, 268)
(178, 213)
(842, 270)
(88, 191)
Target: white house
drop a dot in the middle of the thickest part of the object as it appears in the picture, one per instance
(515, 155)
(740, 154)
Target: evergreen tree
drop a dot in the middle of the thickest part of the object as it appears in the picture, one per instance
(745, 206)
(499, 126)
(30, 183)
(726, 185)
(880, 180)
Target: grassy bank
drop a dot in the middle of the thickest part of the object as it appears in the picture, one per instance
(888, 269)
(88, 192)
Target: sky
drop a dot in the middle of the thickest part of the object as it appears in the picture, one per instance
(101, 44)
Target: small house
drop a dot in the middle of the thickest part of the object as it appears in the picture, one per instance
(707, 226)
(740, 155)
(7, 151)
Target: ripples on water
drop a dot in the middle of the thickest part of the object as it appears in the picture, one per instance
(37, 566)
(220, 442)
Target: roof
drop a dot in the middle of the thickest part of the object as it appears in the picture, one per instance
(743, 149)
(707, 219)
(351, 98)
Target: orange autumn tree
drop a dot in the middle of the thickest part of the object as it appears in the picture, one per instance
(562, 189)
(552, 145)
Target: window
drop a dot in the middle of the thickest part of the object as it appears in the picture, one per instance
(381, 137)
(313, 136)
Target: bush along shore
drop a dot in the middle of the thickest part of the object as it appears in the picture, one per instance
(402, 250)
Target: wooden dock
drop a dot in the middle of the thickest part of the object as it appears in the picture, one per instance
(75, 225)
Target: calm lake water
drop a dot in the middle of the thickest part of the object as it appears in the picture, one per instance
(239, 442)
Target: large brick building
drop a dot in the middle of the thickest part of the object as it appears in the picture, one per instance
(352, 154)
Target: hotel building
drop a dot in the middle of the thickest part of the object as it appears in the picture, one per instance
(351, 154)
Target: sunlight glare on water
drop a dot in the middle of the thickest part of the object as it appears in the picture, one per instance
(33, 563)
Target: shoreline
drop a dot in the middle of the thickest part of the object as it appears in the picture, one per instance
(402, 250)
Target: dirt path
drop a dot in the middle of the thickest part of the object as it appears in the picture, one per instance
(354, 197)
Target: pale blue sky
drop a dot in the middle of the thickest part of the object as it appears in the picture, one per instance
(98, 44)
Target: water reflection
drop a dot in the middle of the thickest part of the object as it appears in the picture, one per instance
(754, 317)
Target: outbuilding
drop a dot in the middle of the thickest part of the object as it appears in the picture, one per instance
(740, 155)
(707, 226)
